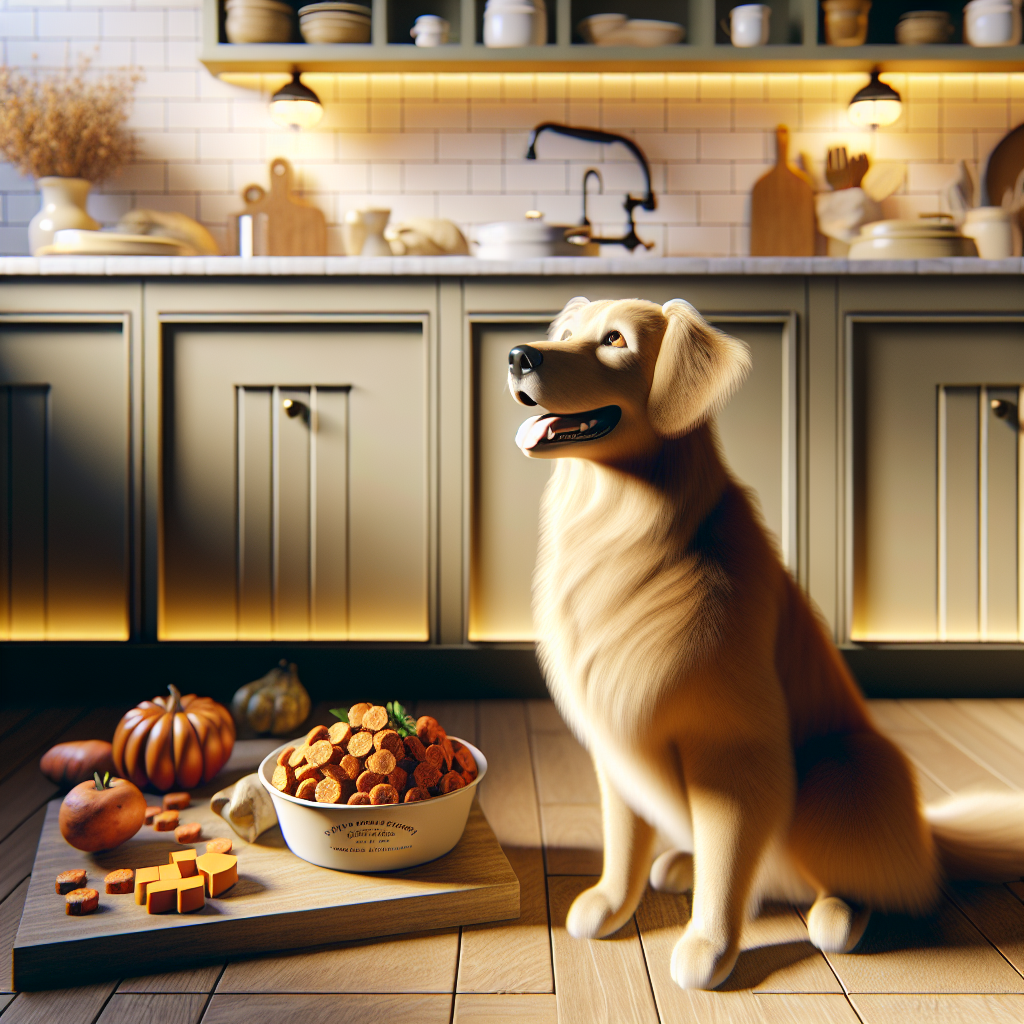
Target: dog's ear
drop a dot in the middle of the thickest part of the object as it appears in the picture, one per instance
(572, 307)
(698, 368)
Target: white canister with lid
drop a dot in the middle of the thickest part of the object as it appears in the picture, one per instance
(509, 23)
(748, 25)
(992, 23)
(991, 227)
(430, 30)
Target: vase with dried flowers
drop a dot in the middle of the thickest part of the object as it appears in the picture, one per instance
(69, 131)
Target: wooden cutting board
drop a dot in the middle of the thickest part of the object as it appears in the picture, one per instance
(283, 224)
(782, 208)
(279, 902)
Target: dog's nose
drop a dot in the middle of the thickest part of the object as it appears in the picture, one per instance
(524, 359)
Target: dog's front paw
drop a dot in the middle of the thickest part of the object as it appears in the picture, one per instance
(835, 926)
(592, 915)
(672, 872)
(697, 962)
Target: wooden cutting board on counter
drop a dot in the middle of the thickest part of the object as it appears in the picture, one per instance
(279, 902)
(782, 208)
(283, 224)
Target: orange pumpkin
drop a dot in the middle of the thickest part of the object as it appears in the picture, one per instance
(173, 742)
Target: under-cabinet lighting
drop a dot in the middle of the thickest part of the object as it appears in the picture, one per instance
(295, 105)
(877, 104)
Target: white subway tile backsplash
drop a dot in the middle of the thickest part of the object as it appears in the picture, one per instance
(453, 144)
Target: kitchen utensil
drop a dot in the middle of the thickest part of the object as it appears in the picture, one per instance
(1005, 163)
(916, 28)
(782, 208)
(881, 180)
(842, 171)
(846, 22)
(924, 238)
(430, 30)
(991, 227)
(509, 25)
(294, 226)
(992, 23)
(748, 25)
(78, 242)
(279, 901)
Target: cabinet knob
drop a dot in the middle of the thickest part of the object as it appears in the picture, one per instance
(1004, 410)
(293, 408)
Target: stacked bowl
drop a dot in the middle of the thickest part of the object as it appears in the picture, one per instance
(258, 21)
(335, 22)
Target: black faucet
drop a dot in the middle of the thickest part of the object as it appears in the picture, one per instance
(630, 239)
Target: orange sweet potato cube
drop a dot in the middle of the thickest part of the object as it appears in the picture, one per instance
(220, 871)
(186, 862)
(162, 896)
(169, 872)
(143, 878)
(191, 894)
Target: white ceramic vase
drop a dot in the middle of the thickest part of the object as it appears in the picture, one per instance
(63, 207)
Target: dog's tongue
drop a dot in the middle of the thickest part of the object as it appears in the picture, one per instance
(534, 430)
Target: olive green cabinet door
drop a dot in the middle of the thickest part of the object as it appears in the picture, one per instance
(756, 428)
(295, 482)
(936, 483)
(64, 481)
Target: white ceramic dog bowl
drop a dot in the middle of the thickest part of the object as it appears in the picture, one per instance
(363, 837)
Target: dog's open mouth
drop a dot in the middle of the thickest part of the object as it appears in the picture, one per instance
(550, 428)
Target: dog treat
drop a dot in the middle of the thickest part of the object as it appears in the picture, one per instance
(368, 780)
(177, 801)
(120, 882)
(319, 753)
(339, 753)
(68, 881)
(285, 754)
(428, 729)
(308, 771)
(351, 766)
(144, 877)
(426, 775)
(359, 798)
(306, 790)
(188, 833)
(382, 762)
(451, 782)
(416, 793)
(360, 744)
(399, 778)
(298, 757)
(191, 894)
(388, 739)
(340, 733)
(327, 791)
(81, 901)
(448, 751)
(162, 896)
(169, 872)
(151, 813)
(415, 748)
(384, 794)
(220, 871)
(434, 756)
(375, 719)
(317, 733)
(185, 860)
(283, 779)
(334, 771)
(465, 760)
(355, 714)
(218, 846)
(166, 821)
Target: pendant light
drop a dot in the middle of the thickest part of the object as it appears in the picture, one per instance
(296, 106)
(876, 104)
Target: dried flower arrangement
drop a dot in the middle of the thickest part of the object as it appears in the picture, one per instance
(68, 125)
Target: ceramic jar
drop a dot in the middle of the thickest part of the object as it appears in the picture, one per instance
(748, 25)
(991, 227)
(992, 23)
(846, 22)
(430, 30)
(63, 206)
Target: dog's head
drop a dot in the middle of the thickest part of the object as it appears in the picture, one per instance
(618, 376)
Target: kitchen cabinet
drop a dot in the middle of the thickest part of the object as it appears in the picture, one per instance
(67, 464)
(796, 43)
(325, 466)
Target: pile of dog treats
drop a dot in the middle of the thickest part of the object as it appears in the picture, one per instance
(378, 756)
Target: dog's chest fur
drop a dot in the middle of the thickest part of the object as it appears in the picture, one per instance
(616, 596)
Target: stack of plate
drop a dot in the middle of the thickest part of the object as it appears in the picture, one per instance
(921, 239)
(76, 242)
(335, 22)
(259, 21)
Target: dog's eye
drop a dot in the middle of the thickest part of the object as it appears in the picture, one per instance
(615, 339)
(566, 334)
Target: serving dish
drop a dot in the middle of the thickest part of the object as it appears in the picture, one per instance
(925, 238)
(363, 837)
(78, 242)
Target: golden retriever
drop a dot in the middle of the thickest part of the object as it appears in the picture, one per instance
(682, 654)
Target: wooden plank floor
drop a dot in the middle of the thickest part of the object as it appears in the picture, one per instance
(964, 965)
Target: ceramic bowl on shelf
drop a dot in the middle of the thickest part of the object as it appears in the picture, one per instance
(345, 28)
(846, 22)
(917, 28)
(924, 238)
(367, 837)
(598, 25)
(258, 21)
(648, 32)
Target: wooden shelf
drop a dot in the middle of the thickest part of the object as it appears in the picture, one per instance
(703, 50)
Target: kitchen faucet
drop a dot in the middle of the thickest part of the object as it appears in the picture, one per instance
(582, 236)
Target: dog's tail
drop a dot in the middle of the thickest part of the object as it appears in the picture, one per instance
(979, 836)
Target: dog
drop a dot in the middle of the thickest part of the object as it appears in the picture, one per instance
(683, 655)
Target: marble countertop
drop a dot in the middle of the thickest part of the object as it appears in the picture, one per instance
(470, 266)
